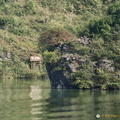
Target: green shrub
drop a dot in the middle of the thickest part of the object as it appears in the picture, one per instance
(44, 3)
(112, 86)
(17, 9)
(6, 21)
(75, 30)
(53, 5)
(20, 31)
(113, 7)
(51, 57)
(5, 1)
(13, 9)
(101, 77)
(84, 50)
(82, 84)
(108, 26)
(30, 7)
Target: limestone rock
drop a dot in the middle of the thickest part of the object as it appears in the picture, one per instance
(83, 40)
(106, 65)
(5, 55)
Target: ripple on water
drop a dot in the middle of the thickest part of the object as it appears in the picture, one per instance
(33, 103)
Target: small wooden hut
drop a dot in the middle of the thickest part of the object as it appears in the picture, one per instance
(36, 62)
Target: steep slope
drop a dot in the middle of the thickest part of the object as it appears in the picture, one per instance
(26, 28)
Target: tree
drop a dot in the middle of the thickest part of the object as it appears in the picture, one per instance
(54, 36)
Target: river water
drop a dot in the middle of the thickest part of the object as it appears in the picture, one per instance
(35, 100)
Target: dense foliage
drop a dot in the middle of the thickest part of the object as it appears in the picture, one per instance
(54, 36)
(32, 26)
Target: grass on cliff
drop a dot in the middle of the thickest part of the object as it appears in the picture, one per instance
(23, 22)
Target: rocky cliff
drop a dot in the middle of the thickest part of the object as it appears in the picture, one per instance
(75, 70)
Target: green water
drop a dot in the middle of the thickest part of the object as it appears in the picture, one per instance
(34, 100)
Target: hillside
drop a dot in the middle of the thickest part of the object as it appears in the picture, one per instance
(33, 27)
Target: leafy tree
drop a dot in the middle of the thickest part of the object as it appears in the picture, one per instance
(53, 37)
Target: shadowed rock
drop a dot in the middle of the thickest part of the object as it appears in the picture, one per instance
(57, 78)
(106, 65)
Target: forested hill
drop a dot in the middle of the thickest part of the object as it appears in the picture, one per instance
(33, 27)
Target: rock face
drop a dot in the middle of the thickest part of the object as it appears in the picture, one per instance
(83, 40)
(70, 64)
(73, 61)
(106, 65)
(57, 78)
(5, 55)
(62, 47)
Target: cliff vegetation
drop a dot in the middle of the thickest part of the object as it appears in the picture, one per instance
(78, 40)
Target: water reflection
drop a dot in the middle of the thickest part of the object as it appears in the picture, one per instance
(33, 100)
(35, 93)
(67, 104)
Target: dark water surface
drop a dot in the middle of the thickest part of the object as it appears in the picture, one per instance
(34, 100)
